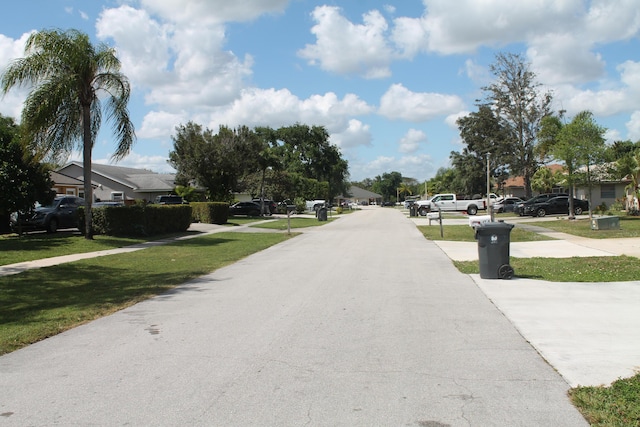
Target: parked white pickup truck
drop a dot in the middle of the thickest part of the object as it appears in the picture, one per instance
(314, 205)
(451, 202)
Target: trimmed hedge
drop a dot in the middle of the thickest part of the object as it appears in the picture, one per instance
(210, 212)
(139, 220)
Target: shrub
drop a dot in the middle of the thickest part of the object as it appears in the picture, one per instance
(601, 208)
(210, 212)
(301, 205)
(339, 210)
(139, 220)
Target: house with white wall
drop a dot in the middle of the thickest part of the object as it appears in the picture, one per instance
(112, 182)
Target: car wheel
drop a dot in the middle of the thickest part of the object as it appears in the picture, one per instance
(541, 212)
(53, 225)
(472, 210)
(578, 210)
(423, 211)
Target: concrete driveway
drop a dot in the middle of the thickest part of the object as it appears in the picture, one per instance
(361, 322)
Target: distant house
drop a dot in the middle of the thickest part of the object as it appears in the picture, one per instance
(360, 196)
(514, 186)
(605, 189)
(118, 183)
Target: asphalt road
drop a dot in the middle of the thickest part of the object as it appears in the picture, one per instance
(361, 322)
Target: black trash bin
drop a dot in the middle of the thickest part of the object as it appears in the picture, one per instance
(493, 250)
(322, 214)
(413, 210)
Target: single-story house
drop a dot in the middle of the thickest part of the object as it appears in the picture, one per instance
(604, 188)
(514, 186)
(66, 185)
(360, 196)
(120, 183)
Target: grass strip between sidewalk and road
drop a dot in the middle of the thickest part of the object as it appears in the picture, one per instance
(282, 224)
(464, 233)
(40, 303)
(576, 269)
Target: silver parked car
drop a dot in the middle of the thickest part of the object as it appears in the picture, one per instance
(508, 204)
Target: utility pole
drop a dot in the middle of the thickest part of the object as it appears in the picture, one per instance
(489, 205)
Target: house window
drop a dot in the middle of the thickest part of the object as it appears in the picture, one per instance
(117, 196)
(607, 191)
(70, 192)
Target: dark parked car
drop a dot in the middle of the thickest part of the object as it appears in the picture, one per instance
(245, 208)
(520, 207)
(270, 207)
(556, 205)
(508, 204)
(169, 200)
(61, 213)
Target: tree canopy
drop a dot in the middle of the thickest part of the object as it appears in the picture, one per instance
(579, 143)
(70, 79)
(285, 163)
(520, 105)
(23, 180)
(486, 139)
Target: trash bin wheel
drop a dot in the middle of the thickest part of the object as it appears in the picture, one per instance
(505, 272)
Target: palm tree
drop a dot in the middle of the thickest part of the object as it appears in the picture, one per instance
(405, 189)
(629, 166)
(63, 110)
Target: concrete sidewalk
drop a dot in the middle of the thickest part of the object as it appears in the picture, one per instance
(360, 322)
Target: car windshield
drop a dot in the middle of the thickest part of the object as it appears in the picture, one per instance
(53, 204)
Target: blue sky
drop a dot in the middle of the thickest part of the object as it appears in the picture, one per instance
(388, 79)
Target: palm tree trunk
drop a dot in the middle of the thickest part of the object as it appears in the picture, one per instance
(87, 148)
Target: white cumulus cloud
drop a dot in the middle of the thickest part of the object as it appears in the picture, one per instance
(400, 103)
(411, 141)
(346, 48)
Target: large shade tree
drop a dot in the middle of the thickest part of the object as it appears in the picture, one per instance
(71, 82)
(486, 140)
(521, 105)
(23, 180)
(306, 151)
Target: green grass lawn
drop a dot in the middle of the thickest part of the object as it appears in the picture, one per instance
(629, 227)
(617, 405)
(464, 233)
(29, 247)
(577, 269)
(296, 222)
(40, 303)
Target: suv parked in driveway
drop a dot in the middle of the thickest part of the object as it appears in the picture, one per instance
(521, 207)
(270, 207)
(61, 213)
